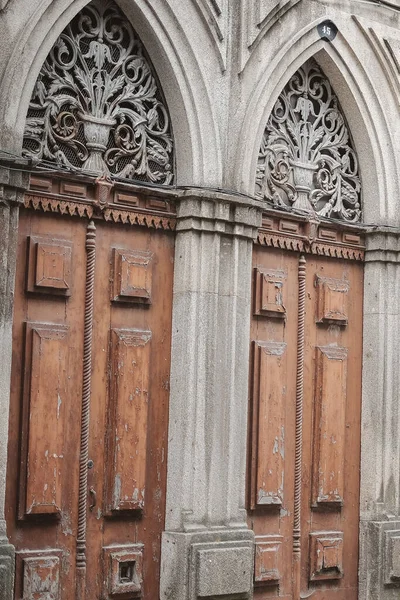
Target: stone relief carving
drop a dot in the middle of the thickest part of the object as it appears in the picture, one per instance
(97, 106)
(306, 160)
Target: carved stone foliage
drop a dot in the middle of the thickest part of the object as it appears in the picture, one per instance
(306, 160)
(97, 105)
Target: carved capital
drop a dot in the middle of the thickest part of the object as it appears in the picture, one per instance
(382, 245)
(13, 184)
(218, 213)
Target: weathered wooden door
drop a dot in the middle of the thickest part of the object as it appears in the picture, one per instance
(90, 387)
(305, 388)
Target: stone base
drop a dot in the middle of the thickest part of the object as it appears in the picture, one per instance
(379, 560)
(213, 564)
(7, 562)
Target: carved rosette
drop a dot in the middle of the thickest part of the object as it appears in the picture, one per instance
(97, 105)
(307, 160)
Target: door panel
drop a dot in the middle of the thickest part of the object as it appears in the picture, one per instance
(330, 372)
(130, 342)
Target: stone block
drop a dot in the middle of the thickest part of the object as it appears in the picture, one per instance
(222, 569)
(7, 561)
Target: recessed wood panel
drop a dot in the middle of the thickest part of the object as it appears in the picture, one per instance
(268, 557)
(49, 266)
(123, 570)
(329, 424)
(45, 400)
(73, 189)
(128, 410)
(38, 574)
(332, 300)
(326, 555)
(269, 391)
(269, 292)
(156, 203)
(126, 199)
(132, 276)
(40, 184)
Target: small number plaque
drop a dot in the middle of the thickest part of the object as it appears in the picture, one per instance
(327, 30)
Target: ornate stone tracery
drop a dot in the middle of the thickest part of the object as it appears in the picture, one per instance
(306, 160)
(97, 105)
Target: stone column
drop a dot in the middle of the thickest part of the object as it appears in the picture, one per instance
(13, 182)
(207, 548)
(380, 433)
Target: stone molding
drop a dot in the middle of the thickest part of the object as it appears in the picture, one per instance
(380, 420)
(13, 181)
(206, 532)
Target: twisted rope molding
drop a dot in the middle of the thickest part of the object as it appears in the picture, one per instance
(87, 373)
(299, 429)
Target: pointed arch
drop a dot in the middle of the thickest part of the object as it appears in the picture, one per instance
(359, 101)
(198, 157)
(97, 105)
(307, 159)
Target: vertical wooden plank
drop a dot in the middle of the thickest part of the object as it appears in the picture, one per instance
(329, 425)
(128, 410)
(268, 444)
(45, 398)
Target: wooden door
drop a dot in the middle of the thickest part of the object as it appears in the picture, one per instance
(89, 408)
(305, 389)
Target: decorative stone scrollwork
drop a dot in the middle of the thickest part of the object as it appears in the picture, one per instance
(306, 159)
(97, 105)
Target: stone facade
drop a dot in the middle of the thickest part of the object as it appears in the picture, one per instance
(222, 65)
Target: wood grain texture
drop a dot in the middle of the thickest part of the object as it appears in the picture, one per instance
(128, 412)
(329, 509)
(47, 362)
(329, 424)
(269, 381)
(45, 405)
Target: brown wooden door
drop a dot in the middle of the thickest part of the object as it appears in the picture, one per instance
(305, 390)
(116, 504)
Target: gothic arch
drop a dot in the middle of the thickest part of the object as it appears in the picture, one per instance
(187, 97)
(360, 104)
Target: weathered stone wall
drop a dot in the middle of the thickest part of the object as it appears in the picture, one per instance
(222, 65)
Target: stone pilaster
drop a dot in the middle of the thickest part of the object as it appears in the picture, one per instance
(207, 549)
(13, 182)
(380, 448)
